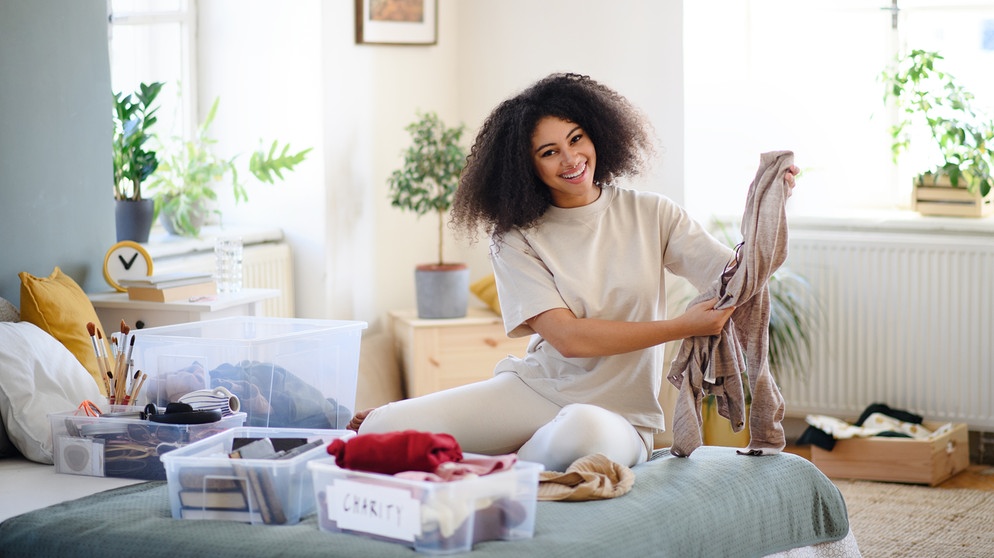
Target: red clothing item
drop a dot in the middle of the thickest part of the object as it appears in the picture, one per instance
(394, 452)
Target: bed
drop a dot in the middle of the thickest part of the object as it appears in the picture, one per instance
(715, 503)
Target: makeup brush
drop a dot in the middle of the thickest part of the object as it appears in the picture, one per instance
(91, 328)
(138, 386)
(105, 360)
(119, 351)
(127, 358)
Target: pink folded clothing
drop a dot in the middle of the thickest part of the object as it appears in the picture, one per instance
(393, 452)
(475, 466)
(469, 467)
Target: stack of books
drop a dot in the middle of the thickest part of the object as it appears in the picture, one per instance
(250, 494)
(169, 287)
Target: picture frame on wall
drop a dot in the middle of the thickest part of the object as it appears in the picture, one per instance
(396, 22)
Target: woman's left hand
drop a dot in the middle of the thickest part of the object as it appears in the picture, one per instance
(789, 177)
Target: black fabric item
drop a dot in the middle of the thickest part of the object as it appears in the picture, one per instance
(891, 434)
(903, 416)
(816, 437)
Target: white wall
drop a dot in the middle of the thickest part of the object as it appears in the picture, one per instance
(293, 70)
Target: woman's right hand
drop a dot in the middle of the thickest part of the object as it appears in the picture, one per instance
(702, 319)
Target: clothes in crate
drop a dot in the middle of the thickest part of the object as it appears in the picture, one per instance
(269, 394)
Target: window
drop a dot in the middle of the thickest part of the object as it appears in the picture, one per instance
(154, 40)
(804, 75)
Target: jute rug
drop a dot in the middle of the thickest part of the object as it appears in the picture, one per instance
(910, 521)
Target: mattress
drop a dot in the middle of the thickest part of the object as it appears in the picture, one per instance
(714, 503)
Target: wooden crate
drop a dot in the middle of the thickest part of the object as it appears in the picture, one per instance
(943, 200)
(897, 459)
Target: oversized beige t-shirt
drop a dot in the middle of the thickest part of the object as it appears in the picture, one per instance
(604, 260)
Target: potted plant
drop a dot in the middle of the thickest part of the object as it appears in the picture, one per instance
(957, 180)
(426, 184)
(184, 186)
(134, 162)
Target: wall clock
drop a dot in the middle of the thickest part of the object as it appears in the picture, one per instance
(126, 260)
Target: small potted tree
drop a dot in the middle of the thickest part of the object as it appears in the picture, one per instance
(134, 161)
(426, 184)
(957, 178)
(186, 182)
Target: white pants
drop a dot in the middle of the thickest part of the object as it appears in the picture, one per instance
(503, 415)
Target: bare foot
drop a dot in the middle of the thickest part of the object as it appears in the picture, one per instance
(357, 420)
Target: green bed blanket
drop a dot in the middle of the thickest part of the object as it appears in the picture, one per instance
(714, 503)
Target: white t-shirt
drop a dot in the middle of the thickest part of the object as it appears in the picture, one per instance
(604, 260)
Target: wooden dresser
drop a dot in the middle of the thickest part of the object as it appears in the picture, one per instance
(439, 354)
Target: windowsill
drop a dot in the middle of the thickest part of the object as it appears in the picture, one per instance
(162, 244)
(884, 220)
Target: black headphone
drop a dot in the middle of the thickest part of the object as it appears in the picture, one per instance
(180, 413)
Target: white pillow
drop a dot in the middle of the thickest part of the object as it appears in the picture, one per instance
(38, 376)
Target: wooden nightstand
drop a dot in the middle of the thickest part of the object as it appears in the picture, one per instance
(443, 353)
(113, 307)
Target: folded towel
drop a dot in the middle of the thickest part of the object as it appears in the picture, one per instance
(393, 452)
(593, 477)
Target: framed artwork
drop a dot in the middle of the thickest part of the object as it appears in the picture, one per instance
(396, 22)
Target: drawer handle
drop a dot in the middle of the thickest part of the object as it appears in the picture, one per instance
(490, 342)
(433, 362)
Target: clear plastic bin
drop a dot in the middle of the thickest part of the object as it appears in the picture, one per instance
(123, 446)
(205, 483)
(286, 373)
(430, 517)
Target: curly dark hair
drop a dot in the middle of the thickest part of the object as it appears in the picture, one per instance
(500, 189)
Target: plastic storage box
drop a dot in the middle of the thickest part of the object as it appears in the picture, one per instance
(287, 373)
(431, 517)
(205, 483)
(123, 446)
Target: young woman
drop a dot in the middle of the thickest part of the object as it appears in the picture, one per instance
(579, 263)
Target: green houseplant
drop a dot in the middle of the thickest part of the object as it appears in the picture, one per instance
(190, 172)
(425, 184)
(134, 161)
(962, 137)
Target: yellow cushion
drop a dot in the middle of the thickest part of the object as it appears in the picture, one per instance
(486, 290)
(58, 306)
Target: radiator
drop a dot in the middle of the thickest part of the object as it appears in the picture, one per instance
(907, 320)
(265, 266)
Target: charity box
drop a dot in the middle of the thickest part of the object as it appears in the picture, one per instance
(430, 517)
(285, 372)
(206, 482)
(120, 443)
(914, 461)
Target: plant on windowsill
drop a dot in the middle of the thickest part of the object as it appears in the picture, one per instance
(185, 185)
(133, 160)
(426, 184)
(958, 181)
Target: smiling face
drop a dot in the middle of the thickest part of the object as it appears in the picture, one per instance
(565, 158)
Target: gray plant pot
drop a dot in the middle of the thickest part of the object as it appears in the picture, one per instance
(133, 219)
(442, 290)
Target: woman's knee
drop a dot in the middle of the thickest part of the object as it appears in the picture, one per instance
(580, 430)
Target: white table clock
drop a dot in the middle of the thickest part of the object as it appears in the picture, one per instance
(126, 260)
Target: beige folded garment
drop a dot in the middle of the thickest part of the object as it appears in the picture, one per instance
(593, 477)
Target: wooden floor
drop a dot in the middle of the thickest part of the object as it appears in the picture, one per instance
(977, 477)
